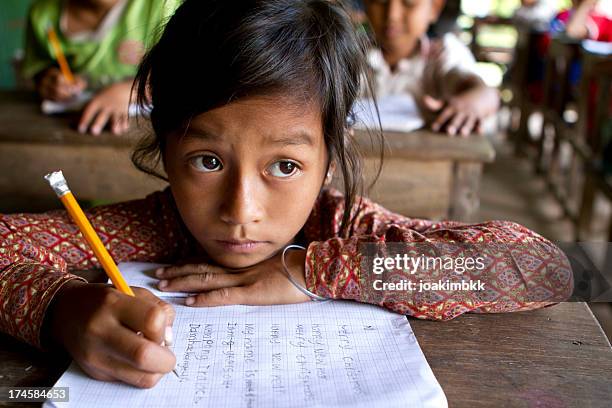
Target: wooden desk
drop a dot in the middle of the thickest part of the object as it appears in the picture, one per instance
(553, 357)
(427, 174)
(32, 144)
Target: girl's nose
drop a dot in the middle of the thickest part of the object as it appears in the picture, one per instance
(242, 203)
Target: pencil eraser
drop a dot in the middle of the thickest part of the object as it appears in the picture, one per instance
(58, 183)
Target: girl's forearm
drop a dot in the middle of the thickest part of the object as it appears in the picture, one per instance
(27, 289)
(522, 271)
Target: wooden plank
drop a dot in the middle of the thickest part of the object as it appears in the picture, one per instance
(465, 191)
(17, 110)
(100, 173)
(22, 122)
(32, 144)
(552, 357)
(412, 188)
(427, 145)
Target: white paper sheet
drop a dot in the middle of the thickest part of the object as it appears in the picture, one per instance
(76, 104)
(142, 275)
(312, 354)
(398, 113)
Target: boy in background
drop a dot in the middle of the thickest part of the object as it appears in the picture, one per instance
(104, 41)
(439, 74)
(535, 14)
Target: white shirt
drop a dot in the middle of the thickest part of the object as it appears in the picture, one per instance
(537, 16)
(433, 69)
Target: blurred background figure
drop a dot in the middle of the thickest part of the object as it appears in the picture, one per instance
(104, 41)
(584, 20)
(357, 12)
(438, 73)
(535, 14)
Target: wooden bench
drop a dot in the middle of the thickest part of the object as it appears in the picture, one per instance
(595, 115)
(425, 174)
(32, 144)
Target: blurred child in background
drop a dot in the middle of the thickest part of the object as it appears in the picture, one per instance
(535, 14)
(440, 74)
(583, 21)
(355, 9)
(104, 41)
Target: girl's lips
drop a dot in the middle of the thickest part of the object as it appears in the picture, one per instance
(241, 246)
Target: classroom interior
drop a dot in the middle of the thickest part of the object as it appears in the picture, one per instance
(544, 160)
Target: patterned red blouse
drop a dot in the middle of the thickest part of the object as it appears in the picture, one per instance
(38, 252)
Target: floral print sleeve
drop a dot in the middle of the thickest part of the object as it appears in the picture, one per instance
(38, 252)
(522, 270)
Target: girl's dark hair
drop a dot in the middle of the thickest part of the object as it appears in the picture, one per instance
(213, 52)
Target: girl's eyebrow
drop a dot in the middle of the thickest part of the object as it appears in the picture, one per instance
(298, 138)
(202, 134)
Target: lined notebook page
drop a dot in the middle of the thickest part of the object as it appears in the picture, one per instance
(328, 354)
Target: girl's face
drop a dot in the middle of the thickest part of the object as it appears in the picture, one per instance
(245, 176)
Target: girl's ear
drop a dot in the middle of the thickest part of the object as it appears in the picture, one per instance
(330, 173)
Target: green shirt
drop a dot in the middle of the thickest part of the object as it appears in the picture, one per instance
(112, 56)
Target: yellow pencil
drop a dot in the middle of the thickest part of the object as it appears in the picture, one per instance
(59, 55)
(59, 185)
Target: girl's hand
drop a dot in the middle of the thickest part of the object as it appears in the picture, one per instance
(98, 326)
(261, 284)
(53, 85)
(110, 106)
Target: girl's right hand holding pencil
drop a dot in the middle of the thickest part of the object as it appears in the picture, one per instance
(113, 336)
(53, 85)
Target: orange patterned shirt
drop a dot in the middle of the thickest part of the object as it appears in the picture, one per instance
(38, 252)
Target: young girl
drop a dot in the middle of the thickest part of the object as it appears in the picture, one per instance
(250, 102)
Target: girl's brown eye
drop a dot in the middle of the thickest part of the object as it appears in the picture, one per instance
(283, 169)
(206, 163)
(210, 162)
(286, 167)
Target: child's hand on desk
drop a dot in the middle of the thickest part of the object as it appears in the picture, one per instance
(53, 85)
(463, 113)
(99, 327)
(109, 106)
(261, 284)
